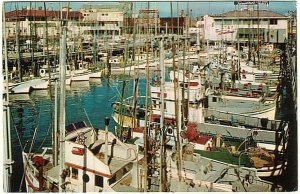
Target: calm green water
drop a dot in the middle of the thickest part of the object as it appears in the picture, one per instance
(85, 101)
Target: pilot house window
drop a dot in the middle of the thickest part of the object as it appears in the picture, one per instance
(98, 181)
(74, 173)
(214, 99)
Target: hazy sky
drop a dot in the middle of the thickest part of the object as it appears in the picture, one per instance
(196, 8)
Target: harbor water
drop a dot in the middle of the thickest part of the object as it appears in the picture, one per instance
(85, 101)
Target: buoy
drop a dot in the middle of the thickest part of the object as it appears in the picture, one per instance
(170, 130)
(198, 96)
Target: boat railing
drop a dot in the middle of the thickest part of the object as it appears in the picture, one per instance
(245, 120)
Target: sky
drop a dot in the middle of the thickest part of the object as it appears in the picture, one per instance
(197, 8)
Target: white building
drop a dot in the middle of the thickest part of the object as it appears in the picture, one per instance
(105, 19)
(247, 25)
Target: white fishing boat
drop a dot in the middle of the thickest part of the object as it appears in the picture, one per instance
(246, 105)
(28, 86)
(95, 161)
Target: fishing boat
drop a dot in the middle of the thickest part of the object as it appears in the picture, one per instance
(95, 161)
(201, 173)
(247, 104)
(261, 148)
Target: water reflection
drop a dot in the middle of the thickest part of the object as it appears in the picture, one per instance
(19, 97)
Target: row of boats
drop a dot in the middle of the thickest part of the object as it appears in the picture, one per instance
(205, 129)
(43, 83)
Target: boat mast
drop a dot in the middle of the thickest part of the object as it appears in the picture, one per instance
(188, 63)
(49, 79)
(136, 74)
(175, 81)
(32, 45)
(18, 45)
(163, 180)
(62, 113)
(238, 42)
(55, 126)
(145, 132)
(7, 159)
(106, 140)
(258, 37)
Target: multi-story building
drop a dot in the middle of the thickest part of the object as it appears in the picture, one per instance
(148, 20)
(32, 23)
(177, 24)
(246, 25)
(102, 19)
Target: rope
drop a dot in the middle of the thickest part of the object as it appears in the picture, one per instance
(44, 139)
(32, 142)
(87, 116)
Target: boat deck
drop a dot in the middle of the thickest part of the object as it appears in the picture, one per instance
(124, 185)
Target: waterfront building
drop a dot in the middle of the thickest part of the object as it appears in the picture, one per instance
(31, 23)
(247, 25)
(103, 19)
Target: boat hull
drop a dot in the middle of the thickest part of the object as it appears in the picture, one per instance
(84, 77)
(126, 121)
(96, 74)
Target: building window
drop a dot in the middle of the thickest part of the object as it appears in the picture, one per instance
(98, 181)
(273, 21)
(74, 173)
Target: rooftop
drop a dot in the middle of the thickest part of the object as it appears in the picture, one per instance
(42, 13)
(246, 13)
